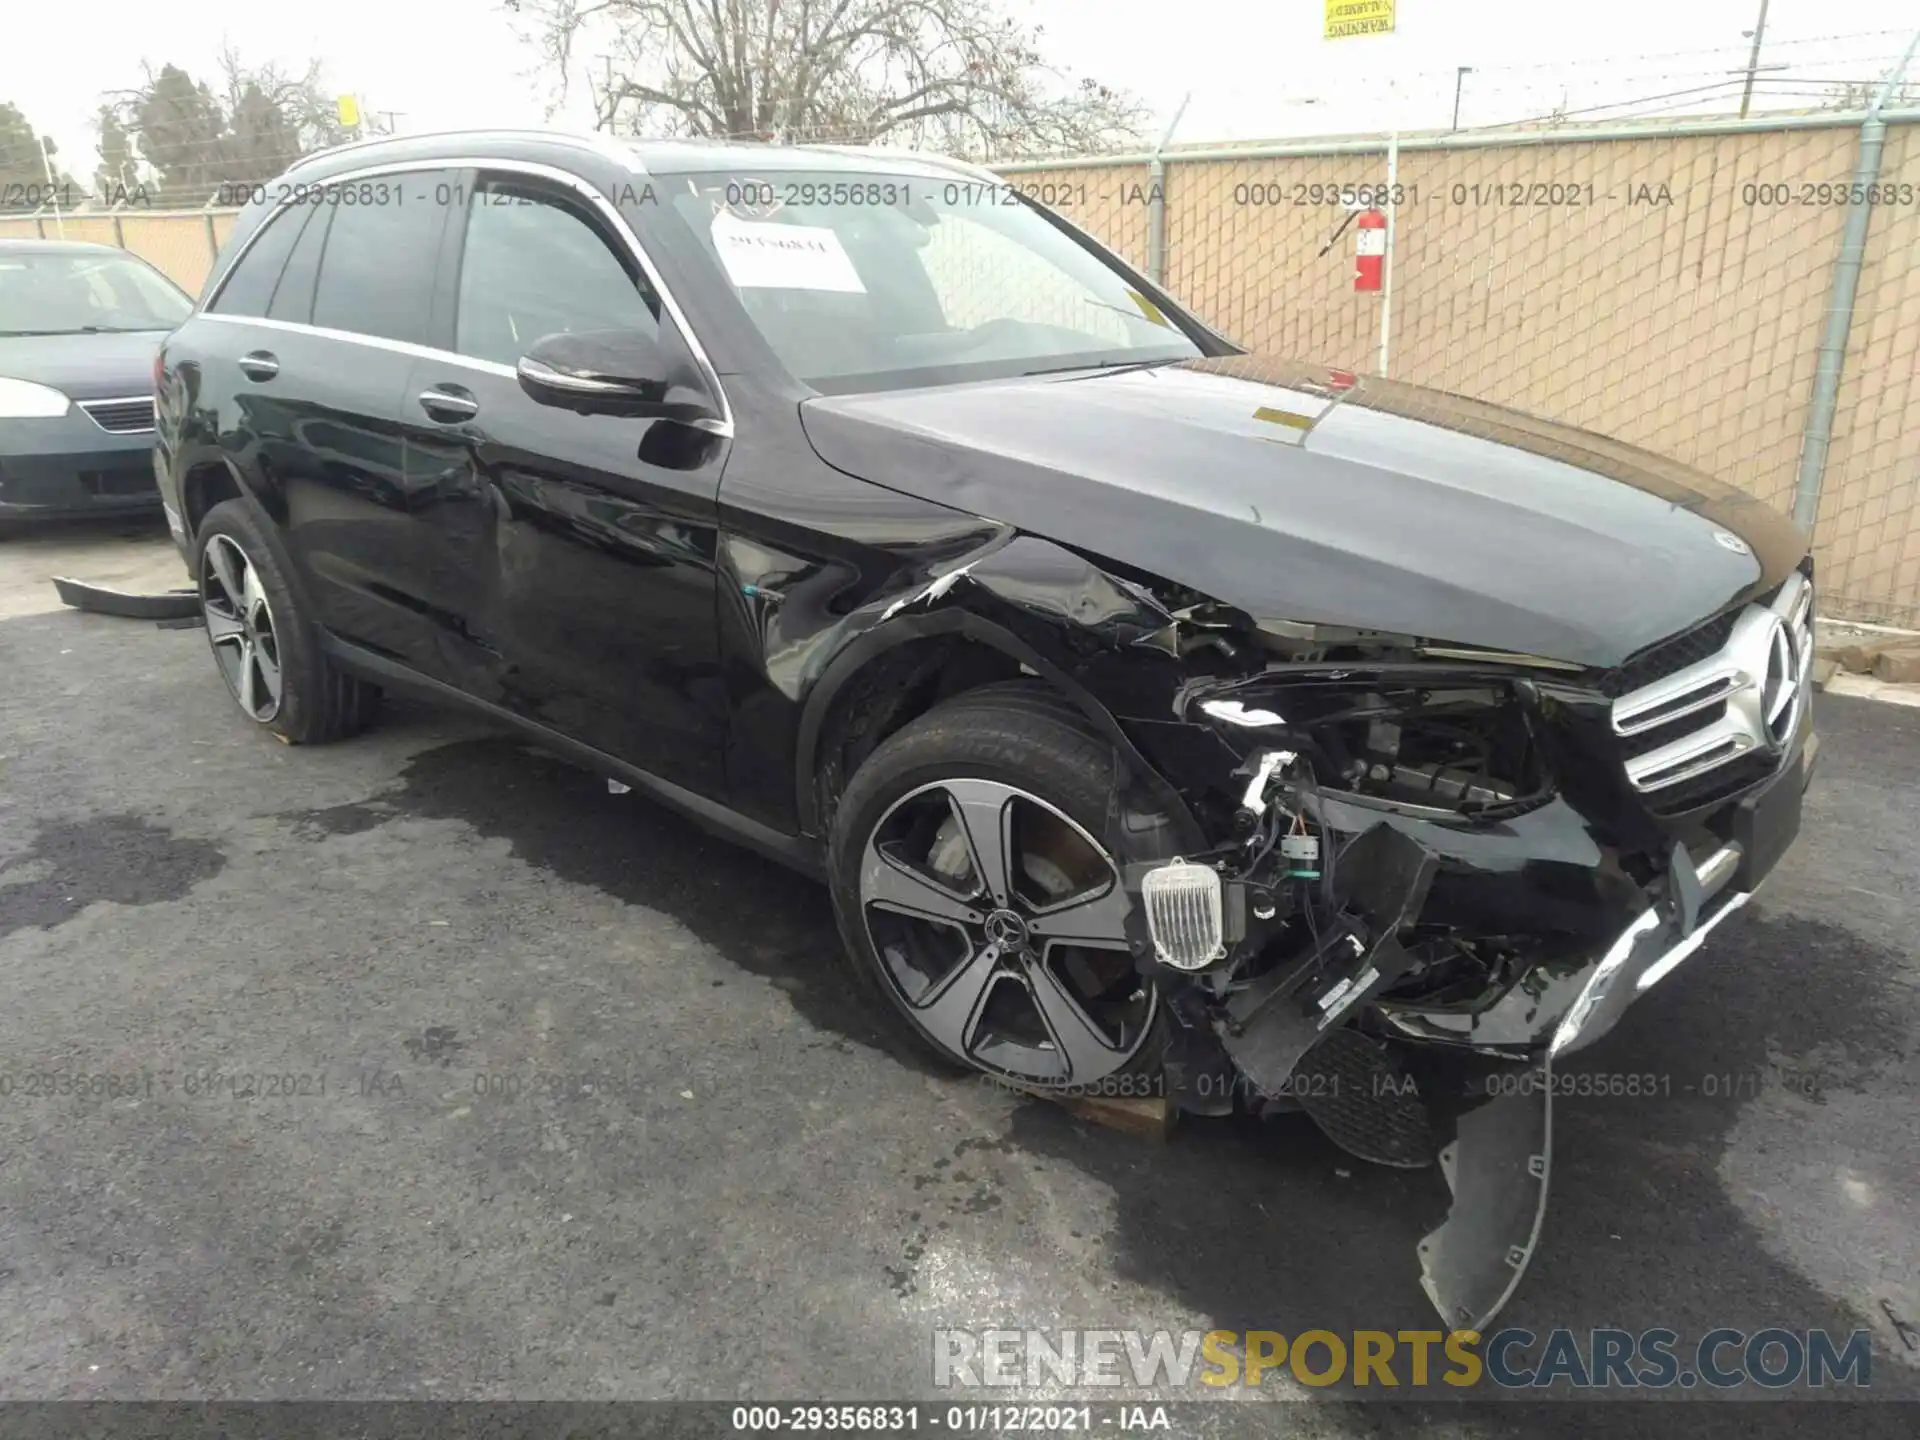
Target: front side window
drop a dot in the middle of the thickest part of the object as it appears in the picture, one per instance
(377, 267)
(82, 292)
(536, 265)
(880, 281)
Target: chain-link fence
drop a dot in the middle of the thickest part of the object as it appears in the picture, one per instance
(1667, 285)
(1669, 288)
(181, 244)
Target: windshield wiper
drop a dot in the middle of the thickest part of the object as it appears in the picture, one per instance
(1100, 365)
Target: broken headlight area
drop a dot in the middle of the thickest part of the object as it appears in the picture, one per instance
(1388, 843)
(1345, 801)
(1403, 921)
(1461, 745)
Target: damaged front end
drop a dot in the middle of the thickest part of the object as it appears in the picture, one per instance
(1424, 861)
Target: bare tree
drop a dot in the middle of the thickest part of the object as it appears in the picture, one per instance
(193, 138)
(276, 116)
(953, 75)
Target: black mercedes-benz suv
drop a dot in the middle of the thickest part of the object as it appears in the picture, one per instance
(1166, 721)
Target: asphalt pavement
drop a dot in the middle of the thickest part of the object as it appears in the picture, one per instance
(438, 1071)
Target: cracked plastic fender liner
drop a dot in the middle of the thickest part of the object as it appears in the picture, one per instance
(1497, 1168)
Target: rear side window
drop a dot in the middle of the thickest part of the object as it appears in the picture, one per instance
(535, 264)
(249, 290)
(376, 272)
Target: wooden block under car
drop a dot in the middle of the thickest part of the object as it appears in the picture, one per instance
(1150, 1117)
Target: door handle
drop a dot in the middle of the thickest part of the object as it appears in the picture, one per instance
(451, 406)
(259, 365)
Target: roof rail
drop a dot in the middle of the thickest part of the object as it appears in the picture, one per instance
(598, 144)
(628, 154)
(924, 157)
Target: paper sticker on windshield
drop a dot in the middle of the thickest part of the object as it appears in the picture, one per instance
(759, 256)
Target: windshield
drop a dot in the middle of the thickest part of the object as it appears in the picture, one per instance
(80, 292)
(881, 281)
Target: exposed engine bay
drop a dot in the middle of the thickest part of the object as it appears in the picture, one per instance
(1419, 853)
(1410, 876)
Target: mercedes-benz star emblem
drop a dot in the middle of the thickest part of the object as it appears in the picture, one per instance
(1007, 930)
(1780, 687)
(1727, 540)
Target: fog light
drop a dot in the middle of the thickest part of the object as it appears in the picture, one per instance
(1185, 915)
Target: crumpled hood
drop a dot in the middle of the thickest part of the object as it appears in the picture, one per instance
(1381, 505)
(84, 367)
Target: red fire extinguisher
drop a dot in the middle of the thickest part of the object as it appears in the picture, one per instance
(1369, 249)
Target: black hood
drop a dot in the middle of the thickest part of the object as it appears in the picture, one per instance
(1378, 505)
(84, 367)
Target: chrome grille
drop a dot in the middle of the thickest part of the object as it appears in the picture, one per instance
(1668, 656)
(1741, 703)
(131, 416)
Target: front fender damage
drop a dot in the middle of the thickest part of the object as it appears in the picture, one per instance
(1377, 932)
(1397, 969)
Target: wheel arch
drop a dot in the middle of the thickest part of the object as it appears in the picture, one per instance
(213, 478)
(878, 653)
(206, 483)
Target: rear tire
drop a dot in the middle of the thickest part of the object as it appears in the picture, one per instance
(976, 862)
(266, 649)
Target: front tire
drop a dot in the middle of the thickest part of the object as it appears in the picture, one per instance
(976, 874)
(266, 650)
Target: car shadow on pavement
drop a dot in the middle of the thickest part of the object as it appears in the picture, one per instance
(1272, 1228)
(1265, 1224)
(761, 916)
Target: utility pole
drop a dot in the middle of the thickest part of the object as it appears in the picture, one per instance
(1459, 78)
(1753, 59)
(53, 187)
(1841, 292)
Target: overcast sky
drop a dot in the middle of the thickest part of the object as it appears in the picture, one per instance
(1255, 68)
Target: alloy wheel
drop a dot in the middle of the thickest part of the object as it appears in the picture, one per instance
(1000, 925)
(240, 625)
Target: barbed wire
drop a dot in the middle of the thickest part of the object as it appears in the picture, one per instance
(1662, 87)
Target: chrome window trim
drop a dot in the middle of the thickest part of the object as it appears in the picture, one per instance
(581, 187)
(722, 428)
(147, 400)
(378, 342)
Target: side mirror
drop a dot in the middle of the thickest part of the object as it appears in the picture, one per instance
(609, 372)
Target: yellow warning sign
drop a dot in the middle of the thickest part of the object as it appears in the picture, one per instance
(1358, 17)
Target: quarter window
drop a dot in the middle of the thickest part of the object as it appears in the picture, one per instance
(293, 296)
(249, 290)
(377, 270)
(536, 265)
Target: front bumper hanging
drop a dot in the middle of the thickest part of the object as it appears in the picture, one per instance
(1498, 1163)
